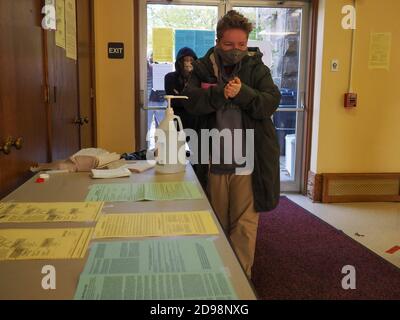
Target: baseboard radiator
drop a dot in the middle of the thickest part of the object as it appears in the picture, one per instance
(362, 187)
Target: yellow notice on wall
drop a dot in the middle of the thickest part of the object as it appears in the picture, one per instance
(163, 45)
(44, 244)
(379, 52)
(70, 28)
(156, 224)
(60, 18)
(21, 212)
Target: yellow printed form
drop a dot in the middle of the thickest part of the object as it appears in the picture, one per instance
(379, 52)
(44, 244)
(155, 224)
(16, 212)
(163, 45)
(70, 30)
(60, 32)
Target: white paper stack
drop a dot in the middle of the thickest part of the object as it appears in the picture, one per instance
(102, 157)
(111, 174)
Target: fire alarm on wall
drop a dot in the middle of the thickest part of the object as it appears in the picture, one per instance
(350, 100)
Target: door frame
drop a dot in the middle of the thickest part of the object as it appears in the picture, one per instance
(309, 97)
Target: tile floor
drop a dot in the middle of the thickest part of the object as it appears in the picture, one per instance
(374, 225)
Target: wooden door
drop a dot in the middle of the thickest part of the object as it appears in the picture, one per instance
(62, 73)
(22, 106)
(44, 96)
(71, 90)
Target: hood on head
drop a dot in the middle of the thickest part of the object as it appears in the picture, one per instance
(184, 52)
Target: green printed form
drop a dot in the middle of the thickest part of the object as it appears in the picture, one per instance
(171, 191)
(144, 191)
(155, 269)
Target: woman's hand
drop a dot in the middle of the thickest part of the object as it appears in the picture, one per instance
(233, 88)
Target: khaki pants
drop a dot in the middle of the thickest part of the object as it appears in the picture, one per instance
(232, 199)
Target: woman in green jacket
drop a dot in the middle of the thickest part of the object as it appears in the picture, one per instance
(231, 89)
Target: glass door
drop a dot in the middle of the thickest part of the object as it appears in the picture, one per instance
(170, 27)
(280, 32)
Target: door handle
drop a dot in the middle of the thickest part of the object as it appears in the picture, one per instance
(6, 148)
(303, 101)
(12, 142)
(18, 143)
(81, 121)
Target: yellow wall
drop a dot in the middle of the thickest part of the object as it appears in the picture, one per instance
(366, 139)
(114, 78)
(360, 140)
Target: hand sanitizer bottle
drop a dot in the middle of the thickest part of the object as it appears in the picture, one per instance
(170, 142)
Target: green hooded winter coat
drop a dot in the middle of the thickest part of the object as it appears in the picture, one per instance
(258, 99)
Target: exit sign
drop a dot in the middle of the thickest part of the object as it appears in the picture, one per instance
(115, 50)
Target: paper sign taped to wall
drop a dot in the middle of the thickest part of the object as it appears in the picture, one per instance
(379, 51)
(160, 70)
(70, 27)
(205, 40)
(163, 45)
(184, 38)
(198, 40)
(60, 20)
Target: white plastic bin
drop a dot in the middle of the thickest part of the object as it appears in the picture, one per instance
(290, 149)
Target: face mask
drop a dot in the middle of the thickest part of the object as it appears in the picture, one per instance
(233, 56)
(188, 67)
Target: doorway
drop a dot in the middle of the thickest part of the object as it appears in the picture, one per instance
(280, 32)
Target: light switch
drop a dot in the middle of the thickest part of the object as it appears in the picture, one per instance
(335, 65)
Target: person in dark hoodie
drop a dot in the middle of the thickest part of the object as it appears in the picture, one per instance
(176, 81)
(230, 88)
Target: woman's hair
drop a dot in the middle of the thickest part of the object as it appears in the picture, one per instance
(233, 20)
